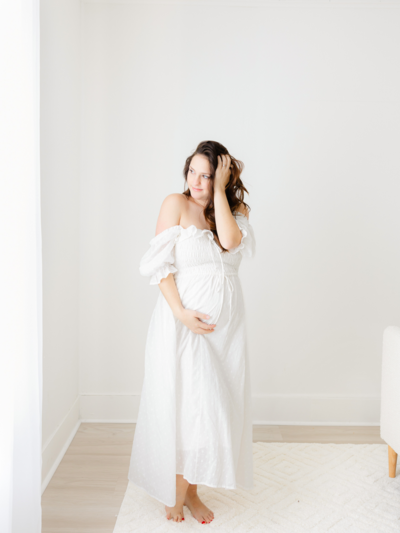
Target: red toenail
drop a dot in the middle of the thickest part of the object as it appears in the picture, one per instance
(203, 522)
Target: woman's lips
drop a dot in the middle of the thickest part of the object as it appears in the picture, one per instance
(196, 189)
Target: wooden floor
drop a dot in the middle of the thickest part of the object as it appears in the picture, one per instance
(87, 489)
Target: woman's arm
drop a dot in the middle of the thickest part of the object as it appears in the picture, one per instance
(170, 215)
(169, 289)
(188, 317)
(228, 231)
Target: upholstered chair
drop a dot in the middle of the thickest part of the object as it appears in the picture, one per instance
(390, 395)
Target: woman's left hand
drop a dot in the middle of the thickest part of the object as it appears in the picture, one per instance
(223, 172)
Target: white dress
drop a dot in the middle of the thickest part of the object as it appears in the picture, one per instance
(195, 408)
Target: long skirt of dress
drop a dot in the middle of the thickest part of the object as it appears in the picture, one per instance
(195, 409)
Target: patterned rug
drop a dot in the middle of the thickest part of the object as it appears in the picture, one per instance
(298, 488)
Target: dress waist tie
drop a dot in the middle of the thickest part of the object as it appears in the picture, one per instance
(222, 278)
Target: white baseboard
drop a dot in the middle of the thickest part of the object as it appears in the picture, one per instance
(268, 409)
(316, 409)
(57, 444)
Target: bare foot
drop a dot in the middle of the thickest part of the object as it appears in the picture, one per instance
(200, 511)
(176, 513)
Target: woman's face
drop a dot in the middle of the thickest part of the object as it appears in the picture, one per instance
(199, 178)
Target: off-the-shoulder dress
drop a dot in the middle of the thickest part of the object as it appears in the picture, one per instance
(195, 408)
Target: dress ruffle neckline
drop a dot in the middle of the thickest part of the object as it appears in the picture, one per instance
(190, 231)
(194, 231)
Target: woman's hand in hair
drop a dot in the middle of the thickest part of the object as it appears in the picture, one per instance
(223, 172)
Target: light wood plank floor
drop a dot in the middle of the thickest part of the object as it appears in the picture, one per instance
(87, 489)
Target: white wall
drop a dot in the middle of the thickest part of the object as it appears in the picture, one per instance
(60, 134)
(308, 98)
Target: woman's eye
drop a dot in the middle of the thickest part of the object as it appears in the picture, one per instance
(204, 176)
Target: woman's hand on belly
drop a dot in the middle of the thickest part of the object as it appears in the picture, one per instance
(191, 319)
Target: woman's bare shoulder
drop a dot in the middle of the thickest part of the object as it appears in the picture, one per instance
(174, 204)
(170, 211)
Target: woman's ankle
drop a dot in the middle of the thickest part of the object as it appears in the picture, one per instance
(191, 490)
(181, 486)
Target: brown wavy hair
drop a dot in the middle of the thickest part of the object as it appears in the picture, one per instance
(234, 190)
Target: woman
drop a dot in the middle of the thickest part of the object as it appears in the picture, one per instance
(194, 423)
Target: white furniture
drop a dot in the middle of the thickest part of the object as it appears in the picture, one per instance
(390, 394)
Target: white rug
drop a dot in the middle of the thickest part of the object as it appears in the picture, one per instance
(298, 488)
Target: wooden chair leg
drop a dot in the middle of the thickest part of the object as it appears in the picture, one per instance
(392, 462)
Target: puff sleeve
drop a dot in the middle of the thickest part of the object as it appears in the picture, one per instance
(159, 259)
(247, 246)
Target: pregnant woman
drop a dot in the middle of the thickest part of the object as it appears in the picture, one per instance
(194, 424)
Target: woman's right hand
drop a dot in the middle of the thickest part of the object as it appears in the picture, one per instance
(191, 319)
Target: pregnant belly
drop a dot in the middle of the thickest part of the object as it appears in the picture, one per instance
(200, 293)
